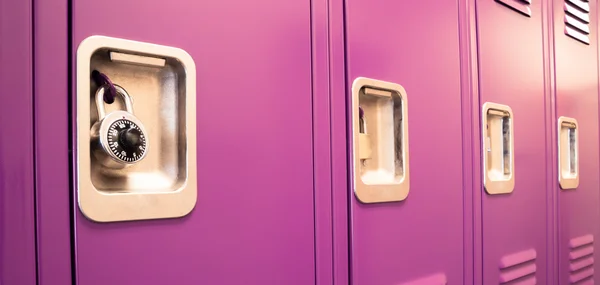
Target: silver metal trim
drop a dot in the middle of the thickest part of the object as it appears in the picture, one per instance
(125, 206)
(493, 183)
(567, 179)
(386, 191)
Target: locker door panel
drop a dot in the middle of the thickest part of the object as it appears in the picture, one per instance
(576, 91)
(253, 222)
(413, 45)
(511, 73)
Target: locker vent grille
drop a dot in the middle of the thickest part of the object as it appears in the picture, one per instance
(577, 20)
(581, 258)
(518, 268)
(521, 6)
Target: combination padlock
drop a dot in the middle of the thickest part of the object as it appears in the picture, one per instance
(118, 139)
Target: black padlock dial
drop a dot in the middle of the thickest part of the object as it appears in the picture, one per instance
(126, 140)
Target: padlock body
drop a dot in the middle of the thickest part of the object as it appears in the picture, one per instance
(103, 138)
(364, 145)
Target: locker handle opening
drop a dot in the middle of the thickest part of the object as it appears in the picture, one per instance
(568, 153)
(380, 141)
(498, 148)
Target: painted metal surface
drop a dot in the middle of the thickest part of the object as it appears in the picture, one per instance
(254, 219)
(418, 240)
(576, 91)
(17, 215)
(339, 159)
(162, 183)
(514, 225)
(472, 172)
(51, 94)
(260, 230)
(324, 259)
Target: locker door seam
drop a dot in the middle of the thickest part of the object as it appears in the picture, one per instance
(34, 142)
(71, 118)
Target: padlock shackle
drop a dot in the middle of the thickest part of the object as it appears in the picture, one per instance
(362, 121)
(120, 91)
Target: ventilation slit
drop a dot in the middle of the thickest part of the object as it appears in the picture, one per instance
(577, 20)
(518, 268)
(521, 6)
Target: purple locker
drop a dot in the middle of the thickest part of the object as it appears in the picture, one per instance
(511, 73)
(414, 235)
(17, 197)
(254, 220)
(576, 79)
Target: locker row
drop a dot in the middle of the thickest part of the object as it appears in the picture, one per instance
(364, 142)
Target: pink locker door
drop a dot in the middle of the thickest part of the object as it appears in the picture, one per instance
(415, 45)
(17, 156)
(576, 90)
(511, 73)
(253, 222)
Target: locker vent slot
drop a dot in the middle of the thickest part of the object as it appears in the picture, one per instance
(581, 256)
(437, 279)
(577, 20)
(521, 6)
(518, 268)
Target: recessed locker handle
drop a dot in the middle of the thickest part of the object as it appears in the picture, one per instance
(568, 153)
(380, 141)
(498, 148)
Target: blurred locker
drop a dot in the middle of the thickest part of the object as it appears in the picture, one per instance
(576, 123)
(512, 103)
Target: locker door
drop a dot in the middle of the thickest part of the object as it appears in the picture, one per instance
(511, 73)
(253, 222)
(576, 60)
(17, 188)
(413, 235)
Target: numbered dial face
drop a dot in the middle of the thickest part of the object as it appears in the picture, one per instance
(126, 140)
